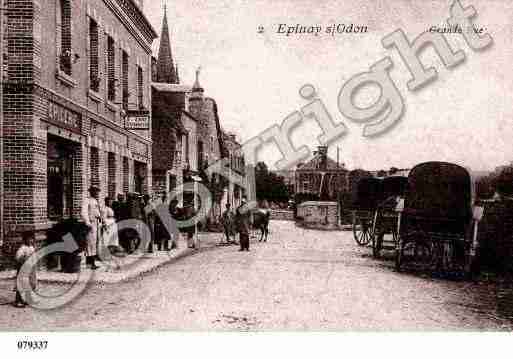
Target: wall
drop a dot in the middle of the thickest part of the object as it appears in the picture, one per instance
(319, 215)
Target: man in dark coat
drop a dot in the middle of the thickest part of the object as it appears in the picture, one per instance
(243, 225)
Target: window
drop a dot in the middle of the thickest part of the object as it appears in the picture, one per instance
(212, 144)
(140, 87)
(111, 58)
(95, 166)
(93, 56)
(126, 170)
(124, 71)
(200, 155)
(187, 148)
(66, 53)
(306, 184)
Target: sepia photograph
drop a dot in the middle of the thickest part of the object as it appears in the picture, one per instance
(235, 167)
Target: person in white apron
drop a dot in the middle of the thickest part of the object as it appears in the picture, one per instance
(91, 215)
(110, 239)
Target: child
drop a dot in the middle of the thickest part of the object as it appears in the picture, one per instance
(22, 255)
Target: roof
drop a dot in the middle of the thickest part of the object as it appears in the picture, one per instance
(165, 87)
(314, 164)
(166, 70)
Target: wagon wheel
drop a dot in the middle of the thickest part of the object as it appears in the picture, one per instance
(423, 252)
(362, 230)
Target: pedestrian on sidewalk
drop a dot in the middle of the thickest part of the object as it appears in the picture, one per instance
(110, 239)
(227, 222)
(149, 215)
(243, 225)
(23, 253)
(176, 214)
(91, 215)
(162, 236)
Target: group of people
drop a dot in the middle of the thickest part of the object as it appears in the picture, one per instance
(237, 222)
(105, 237)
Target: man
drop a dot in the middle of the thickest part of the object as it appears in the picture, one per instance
(176, 214)
(149, 218)
(91, 215)
(162, 236)
(243, 225)
(227, 221)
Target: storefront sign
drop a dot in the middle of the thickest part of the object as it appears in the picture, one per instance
(137, 120)
(61, 116)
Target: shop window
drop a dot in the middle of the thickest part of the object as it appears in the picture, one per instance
(172, 183)
(94, 75)
(124, 71)
(140, 174)
(111, 69)
(140, 87)
(66, 46)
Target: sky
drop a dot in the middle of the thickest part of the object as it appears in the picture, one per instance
(465, 116)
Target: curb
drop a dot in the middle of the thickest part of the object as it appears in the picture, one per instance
(127, 274)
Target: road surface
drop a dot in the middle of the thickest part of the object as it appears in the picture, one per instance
(299, 280)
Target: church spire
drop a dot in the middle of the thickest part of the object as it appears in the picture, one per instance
(166, 71)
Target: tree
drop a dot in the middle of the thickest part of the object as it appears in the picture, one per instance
(269, 185)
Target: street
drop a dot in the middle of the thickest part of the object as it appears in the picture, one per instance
(299, 280)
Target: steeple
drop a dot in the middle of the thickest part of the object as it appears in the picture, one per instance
(166, 71)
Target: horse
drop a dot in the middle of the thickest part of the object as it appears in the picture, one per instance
(261, 219)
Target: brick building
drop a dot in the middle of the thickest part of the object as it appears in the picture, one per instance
(76, 108)
(322, 178)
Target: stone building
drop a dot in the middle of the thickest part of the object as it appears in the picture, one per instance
(187, 134)
(233, 193)
(76, 108)
(174, 128)
(321, 179)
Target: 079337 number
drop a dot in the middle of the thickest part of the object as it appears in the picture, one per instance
(32, 345)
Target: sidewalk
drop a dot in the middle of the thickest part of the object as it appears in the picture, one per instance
(126, 268)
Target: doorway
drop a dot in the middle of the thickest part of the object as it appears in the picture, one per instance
(60, 158)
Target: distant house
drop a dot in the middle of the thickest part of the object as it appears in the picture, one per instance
(321, 178)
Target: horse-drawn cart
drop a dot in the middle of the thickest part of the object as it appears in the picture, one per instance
(438, 225)
(385, 235)
(368, 195)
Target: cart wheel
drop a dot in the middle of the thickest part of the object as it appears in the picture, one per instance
(362, 231)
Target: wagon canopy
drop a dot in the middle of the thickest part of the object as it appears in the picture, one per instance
(368, 194)
(439, 190)
(395, 186)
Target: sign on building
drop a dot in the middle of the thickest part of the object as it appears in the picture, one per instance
(137, 120)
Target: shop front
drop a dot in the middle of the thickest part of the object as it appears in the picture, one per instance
(61, 155)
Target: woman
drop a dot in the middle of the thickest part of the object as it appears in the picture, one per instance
(110, 238)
